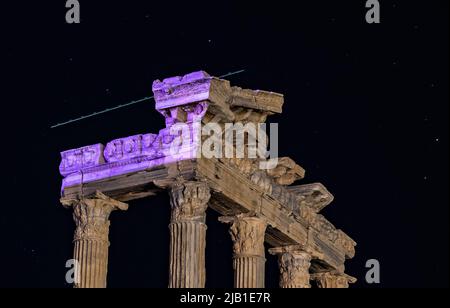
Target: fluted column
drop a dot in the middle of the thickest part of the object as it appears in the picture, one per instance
(91, 238)
(333, 280)
(189, 202)
(294, 264)
(247, 233)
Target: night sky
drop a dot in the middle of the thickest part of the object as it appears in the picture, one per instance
(366, 114)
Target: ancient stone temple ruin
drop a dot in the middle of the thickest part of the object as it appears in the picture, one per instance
(258, 205)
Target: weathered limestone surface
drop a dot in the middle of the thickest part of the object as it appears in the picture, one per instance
(247, 233)
(91, 238)
(284, 214)
(294, 265)
(333, 280)
(186, 99)
(315, 196)
(188, 235)
(143, 165)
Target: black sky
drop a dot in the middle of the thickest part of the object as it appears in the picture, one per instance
(366, 114)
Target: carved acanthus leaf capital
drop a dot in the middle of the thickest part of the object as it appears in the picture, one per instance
(294, 264)
(247, 233)
(189, 201)
(333, 280)
(91, 215)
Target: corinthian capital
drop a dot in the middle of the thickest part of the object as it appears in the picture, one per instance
(294, 263)
(247, 233)
(92, 215)
(189, 201)
(333, 280)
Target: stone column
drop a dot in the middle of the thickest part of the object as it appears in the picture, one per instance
(333, 280)
(247, 233)
(91, 238)
(189, 202)
(294, 266)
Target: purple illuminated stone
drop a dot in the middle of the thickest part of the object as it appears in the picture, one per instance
(78, 159)
(180, 100)
(124, 148)
(178, 91)
(131, 147)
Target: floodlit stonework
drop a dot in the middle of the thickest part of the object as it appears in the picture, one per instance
(260, 206)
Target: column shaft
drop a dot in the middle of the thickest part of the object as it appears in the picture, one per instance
(92, 256)
(248, 233)
(91, 238)
(249, 272)
(189, 202)
(187, 256)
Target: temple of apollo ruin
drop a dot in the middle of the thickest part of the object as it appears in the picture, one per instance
(259, 206)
